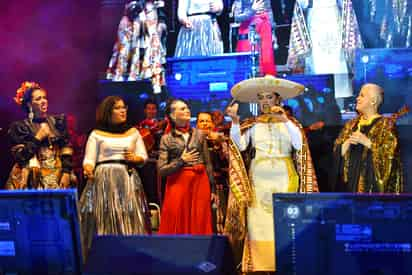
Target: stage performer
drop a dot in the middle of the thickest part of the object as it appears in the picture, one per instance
(221, 126)
(217, 147)
(125, 62)
(184, 160)
(141, 28)
(323, 39)
(78, 143)
(204, 122)
(151, 129)
(155, 33)
(367, 153)
(256, 15)
(40, 144)
(199, 34)
(113, 201)
(276, 160)
(153, 125)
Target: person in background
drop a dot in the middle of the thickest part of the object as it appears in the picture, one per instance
(321, 118)
(125, 62)
(78, 143)
(184, 161)
(386, 24)
(199, 34)
(367, 151)
(154, 127)
(113, 201)
(255, 16)
(325, 30)
(204, 121)
(151, 129)
(154, 34)
(217, 146)
(138, 52)
(219, 121)
(40, 144)
(276, 160)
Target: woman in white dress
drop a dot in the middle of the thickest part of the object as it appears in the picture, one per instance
(113, 201)
(324, 36)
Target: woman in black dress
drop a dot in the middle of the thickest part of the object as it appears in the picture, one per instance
(40, 144)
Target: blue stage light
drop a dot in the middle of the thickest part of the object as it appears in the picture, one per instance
(178, 76)
(320, 99)
(143, 96)
(365, 59)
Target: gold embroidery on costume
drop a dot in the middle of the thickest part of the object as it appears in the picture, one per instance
(238, 179)
(237, 226)
(385, 155)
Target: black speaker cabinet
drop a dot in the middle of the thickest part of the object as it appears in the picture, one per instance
(39, 232)
(160, 255)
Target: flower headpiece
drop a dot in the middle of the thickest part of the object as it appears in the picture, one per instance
(24, 87)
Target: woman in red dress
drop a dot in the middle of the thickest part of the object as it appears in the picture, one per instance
(184, 161)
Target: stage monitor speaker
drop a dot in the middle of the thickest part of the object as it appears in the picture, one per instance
(160, 255)
(343, 233)
(39, 232)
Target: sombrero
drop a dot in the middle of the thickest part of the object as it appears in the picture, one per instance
(247, 90)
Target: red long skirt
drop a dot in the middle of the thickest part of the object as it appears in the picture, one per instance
(186, 207)
(264, 29)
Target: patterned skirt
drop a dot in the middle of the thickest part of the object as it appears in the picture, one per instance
(44, 171)
(113, 204)
(203, 39)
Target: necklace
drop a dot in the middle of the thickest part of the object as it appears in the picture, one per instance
(50, 143)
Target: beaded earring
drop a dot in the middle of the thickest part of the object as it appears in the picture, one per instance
(31, 114)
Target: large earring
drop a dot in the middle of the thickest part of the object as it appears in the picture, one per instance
(31, 114)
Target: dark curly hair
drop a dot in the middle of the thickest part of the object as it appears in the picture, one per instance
(104, 111)
(24, 94)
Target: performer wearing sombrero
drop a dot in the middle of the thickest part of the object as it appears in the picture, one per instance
(280, 161)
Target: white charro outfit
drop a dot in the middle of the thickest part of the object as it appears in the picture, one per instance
(281, 164)
(271, 171)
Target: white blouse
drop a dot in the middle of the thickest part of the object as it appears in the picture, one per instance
(103, 146)
(273, 139)
(187, 7)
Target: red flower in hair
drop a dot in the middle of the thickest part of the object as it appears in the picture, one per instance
(24, 87)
